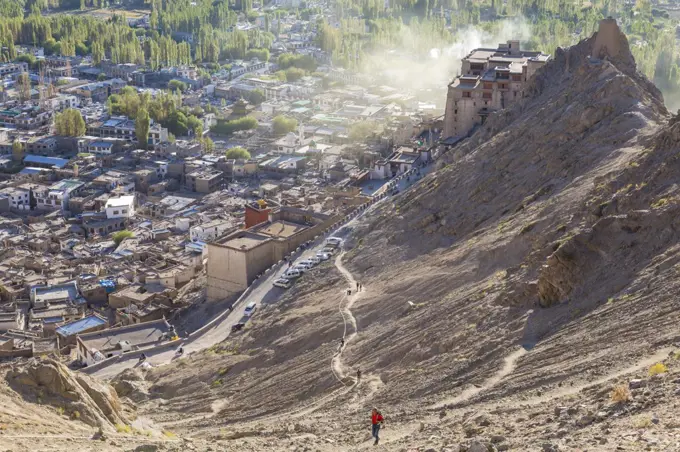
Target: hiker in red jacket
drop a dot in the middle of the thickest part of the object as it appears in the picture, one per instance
(377, 421)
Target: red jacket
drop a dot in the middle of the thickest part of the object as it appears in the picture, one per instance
(376, 418)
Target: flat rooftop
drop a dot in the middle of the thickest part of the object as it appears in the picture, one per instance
(141, 333)
(282, 229)
(77, 326)
(245, 242)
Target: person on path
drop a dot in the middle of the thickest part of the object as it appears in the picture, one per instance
(349, 291)
(358, 375)
(376, 422)
(342, 342)
(358, 286)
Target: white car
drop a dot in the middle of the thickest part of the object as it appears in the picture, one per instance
(334, 242)
(292, 273)
(301, 268)
(323, 256)
(308, 262)
(314, 260)
(283, 283)
(250, 309)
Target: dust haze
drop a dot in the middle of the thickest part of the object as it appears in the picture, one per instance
(421, 65)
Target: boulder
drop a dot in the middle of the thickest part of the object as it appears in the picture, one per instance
(97, 404)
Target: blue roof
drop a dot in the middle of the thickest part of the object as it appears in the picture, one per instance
(81, 325)
(30, 171)
(101, 144)
(54, 161)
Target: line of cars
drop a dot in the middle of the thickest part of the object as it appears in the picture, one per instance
(293, 273)
(288, 278)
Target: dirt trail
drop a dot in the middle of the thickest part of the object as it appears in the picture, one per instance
(348, 319)
(567, 391)
(509, 364)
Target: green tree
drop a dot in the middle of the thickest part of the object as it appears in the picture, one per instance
(228, 127)
(283, 124)
(24, 87)
(17, 151)
(142, 125)
(208, 145)
(256, 97)
(70, 123)
(238, 153)
(119, 236)
(175, 85)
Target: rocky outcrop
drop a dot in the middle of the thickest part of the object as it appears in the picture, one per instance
(82, 397)
(130, 383)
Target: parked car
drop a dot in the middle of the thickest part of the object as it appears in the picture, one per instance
(292, 274)
(250, 309)
(314, 260)
(334, 242)
(323, 256)
(329, 250)
(283, 283)
(308, 262)
(301, 268)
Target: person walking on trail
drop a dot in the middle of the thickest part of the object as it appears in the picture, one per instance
(376, 422)
(358, 286)
(342, 342)
(349, 291)
(358, 375)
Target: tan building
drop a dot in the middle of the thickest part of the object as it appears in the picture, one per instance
(204, 180)
(491, 80)
(235, 261)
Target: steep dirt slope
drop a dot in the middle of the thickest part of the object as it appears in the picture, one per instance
(539, 260)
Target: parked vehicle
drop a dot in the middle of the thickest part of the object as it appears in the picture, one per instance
(323, 256)
(308, 262)
(292, 274)
(329, 250)
(250, 309)
(301, 268)
(333, 242)
(314, 260)
(283, 283)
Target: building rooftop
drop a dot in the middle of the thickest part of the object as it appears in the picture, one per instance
(138, 334)
(281, 229)
(84, 324)
(122, 201)
(54, 161)
(245, 242)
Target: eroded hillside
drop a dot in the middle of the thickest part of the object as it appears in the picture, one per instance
(506, 294)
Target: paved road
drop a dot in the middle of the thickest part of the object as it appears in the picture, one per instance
(264, 293)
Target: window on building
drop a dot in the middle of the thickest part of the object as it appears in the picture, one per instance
(467, 94)
(124, 211)
(115, 212)
(486, 95)
(488, 86)
(516, 78)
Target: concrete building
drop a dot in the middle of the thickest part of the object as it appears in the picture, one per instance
(235, 261)
(8, 69)
(97, 346)
(19, 197)
(210, 231)
(57, 195)
(490, 80)
(204, 180)
(123, 207)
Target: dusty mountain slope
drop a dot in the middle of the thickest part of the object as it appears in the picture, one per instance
(539, 260)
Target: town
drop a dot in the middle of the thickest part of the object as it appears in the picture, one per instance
(116, 227)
